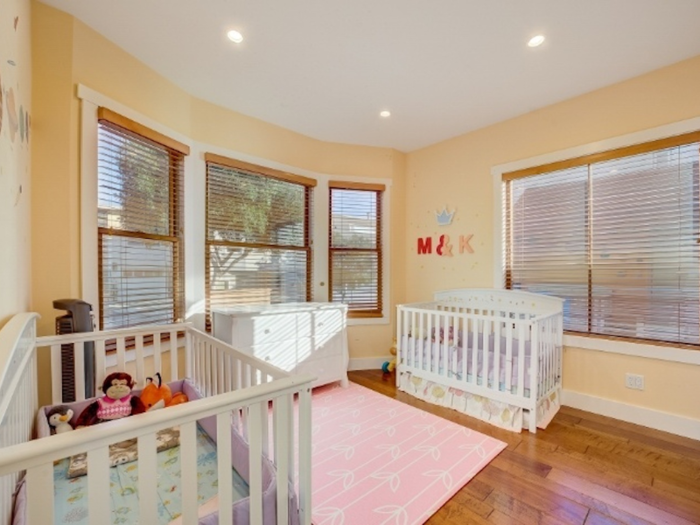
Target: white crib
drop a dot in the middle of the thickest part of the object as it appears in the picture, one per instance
(246, 397)
(492, 354)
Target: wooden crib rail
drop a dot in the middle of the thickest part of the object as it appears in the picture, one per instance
(38, 456)
(18, 396)
(113, 349)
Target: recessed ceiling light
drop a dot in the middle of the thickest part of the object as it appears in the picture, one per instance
(385, 113)
(235, 36)
(536, 41)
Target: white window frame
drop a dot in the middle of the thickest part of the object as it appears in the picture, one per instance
(599, 343)
(194, 215)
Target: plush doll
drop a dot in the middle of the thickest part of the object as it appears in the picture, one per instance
(159, 395)
(116, 403)
(59, 419)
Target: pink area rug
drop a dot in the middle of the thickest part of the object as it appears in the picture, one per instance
(378, 461)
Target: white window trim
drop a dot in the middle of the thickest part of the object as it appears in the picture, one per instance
(319, 243)
(601, 344)
(90, 101)
(194, 203)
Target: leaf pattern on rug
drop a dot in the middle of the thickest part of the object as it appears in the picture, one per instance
(379, 461)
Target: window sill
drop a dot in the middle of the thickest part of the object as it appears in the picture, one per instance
(663, 352)
(360, 321)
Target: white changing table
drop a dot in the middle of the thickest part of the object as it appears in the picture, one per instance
(296, 337)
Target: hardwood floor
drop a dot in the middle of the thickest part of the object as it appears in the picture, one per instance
(584, 468)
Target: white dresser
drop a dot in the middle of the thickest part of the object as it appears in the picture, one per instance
(296, 337)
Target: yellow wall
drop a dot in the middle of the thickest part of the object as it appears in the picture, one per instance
(15, 183)
(457, 173)
(68, 53)
(454, 173)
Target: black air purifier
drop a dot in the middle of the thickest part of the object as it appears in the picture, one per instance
(78, 319)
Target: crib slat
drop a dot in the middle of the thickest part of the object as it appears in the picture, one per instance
(121, 353)
(188, 356)
(100, 366)
(98, 487)
(497, 354)
(220, 367)
(521, 359)
(475, 349)
(305, 457)
(79, 363)
(188, 470)
(281, 414)
(140, 374)
(40, 489)
(158, 359)
(255, 463)
(223, 450)
(209, 376)
(56, 380)
(148, 479)
(509, 355)
(174, 372)
(487, 350)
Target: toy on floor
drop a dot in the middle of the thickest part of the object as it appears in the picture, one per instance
(389, 366)
(117, 402)
(159, 395)
(59, 419)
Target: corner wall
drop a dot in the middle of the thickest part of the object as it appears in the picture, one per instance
(68, 53)
(457, 173)
(16, 136)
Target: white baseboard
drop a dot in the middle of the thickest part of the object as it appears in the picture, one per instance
(368, 363)
(683, 426)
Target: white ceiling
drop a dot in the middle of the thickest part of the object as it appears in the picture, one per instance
(325, 68)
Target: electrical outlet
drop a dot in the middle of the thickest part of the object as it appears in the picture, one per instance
(634, 381)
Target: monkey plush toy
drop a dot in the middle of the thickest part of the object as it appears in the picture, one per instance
(117, 402)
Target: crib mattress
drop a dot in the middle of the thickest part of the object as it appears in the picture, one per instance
(71, 495)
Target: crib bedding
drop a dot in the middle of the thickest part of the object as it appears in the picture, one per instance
(435, 350)
(71, 494)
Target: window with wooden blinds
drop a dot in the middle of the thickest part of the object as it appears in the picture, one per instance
(140, 249)
(258, 245)
(616, 236)
(355, 247)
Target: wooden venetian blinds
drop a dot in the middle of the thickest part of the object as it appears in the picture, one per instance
(140, 249)
(258, 240)
(355, 247)
(616, 235)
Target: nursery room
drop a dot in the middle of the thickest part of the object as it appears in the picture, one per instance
(349, 262)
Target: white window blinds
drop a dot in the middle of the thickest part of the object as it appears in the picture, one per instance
(258, 235)
(617, 238)
(139, 224)
(355, 266)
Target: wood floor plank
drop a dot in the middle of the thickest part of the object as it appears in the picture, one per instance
(577, 496)
(518, 509)
(478, 489)
(536, 495)
(585, 468)
(599, 519)
(618, 500)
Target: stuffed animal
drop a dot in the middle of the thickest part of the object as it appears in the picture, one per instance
(159, 395)
(389, 366)
(59, 419)
(117, 402)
